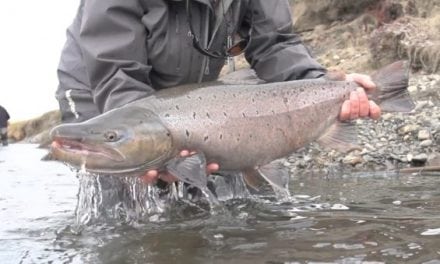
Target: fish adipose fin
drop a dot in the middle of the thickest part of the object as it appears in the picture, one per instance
(392, 83)
(341, 136)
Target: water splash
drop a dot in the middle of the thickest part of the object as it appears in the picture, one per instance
(128, 199)
(123, 198)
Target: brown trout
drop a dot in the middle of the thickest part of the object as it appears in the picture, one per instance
(243, 128)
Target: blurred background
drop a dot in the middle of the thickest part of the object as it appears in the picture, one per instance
(33, 34)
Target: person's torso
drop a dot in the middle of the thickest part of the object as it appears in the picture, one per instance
(171, 54)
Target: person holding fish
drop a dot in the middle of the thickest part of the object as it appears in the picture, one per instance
(4, 121)
(121, 51)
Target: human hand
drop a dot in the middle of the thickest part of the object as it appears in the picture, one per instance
(358, 105)
(152, 176)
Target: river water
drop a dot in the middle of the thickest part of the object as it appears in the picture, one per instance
(357, 218)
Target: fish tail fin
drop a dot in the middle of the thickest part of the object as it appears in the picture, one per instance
(392, 83)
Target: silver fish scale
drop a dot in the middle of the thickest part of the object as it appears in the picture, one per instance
(243, 126)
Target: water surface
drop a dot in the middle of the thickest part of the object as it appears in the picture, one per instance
(346, 218)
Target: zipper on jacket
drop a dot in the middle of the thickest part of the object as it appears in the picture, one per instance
(179, 56)
(205, 63)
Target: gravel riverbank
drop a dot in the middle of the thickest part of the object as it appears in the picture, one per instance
(396, 140)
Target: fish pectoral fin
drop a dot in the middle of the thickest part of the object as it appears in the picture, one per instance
(191, 169)
(341, 136)
(253, 179)
(277, 176)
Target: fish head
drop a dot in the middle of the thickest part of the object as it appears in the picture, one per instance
(124, 141)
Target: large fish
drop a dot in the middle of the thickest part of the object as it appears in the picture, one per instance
(241, 127)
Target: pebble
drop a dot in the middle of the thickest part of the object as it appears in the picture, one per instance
(408, 129)
(352, 159)
(420, 158)
(397, 202)
(426, 143)
(423, 134)
(412, 89)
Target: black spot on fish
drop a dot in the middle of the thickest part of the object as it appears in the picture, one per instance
(168, 134)
(224, 113)
(301, 89)
(257, 112)
(273, 112)
(194, 115)
(207, 115)
(205, 138)
(234, 95)
(274, 94)
(215, 96)
(221, 136)
(244, 115)
(167, 115)
(253, 100)
(187, 133)
(200, 98)
(177, 107)
(285, 100)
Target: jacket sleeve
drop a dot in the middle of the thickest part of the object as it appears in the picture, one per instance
(274, 51)
(112, 39)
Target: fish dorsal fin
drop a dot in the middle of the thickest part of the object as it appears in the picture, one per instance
(341, 136)
(191, 170)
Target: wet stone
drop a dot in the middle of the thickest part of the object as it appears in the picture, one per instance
(419, 159)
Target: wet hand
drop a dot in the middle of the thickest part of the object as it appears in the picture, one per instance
(152, 176)
(358, 105)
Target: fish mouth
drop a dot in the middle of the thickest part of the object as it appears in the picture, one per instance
(75, 147)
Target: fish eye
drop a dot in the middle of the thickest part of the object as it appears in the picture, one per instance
(111, 136)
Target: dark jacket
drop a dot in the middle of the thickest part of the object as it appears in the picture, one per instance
(4, 117)
(119, 51)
